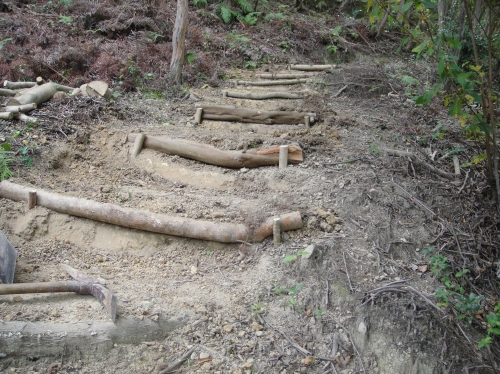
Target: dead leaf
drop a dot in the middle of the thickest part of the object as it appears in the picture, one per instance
(307, 360)
(347, 360)
(423, 268)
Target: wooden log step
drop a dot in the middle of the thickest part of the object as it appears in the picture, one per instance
(250, 158)
(313, 67)
(246, 115)
(284, 76)
(154, 222)
(272, 83)
(264, 96)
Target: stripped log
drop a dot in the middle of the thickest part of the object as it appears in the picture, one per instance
(264, 96)
(40, 81)
(313, 67)
(284, 76)
(272, 83)
(6, 115)
(7, 92)
(60, 87)
(250, 158)
(20, 108)
(37, 95)
(154, 222)
(247, 115)
(18, 85)
(23, 117)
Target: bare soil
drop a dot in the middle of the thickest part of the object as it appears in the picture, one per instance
(240, 306)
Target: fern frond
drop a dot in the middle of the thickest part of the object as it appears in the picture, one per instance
(245, 6)
(226, 13)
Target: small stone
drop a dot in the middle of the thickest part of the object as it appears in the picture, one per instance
(217, 214)
(259, 333)
(155, 318)
(204, 355)
(17, 298)
(362, 328)
(55, 313)
(194, 356)
(194, 270)
(256, 326)
(243, 170)
(228, 328)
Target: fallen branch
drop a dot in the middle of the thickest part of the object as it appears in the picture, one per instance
(272, 83)
(18, 85)
(143, 220)
(20, 108)
(25, 118)
(173, 366)
(284, 76)
(341, 90)
(7, 92)
(37, 95)
(60, 87)
(264, 96)
(313, 67)
(418, 162)
(250, 158)
(6, 115)
(228, 113)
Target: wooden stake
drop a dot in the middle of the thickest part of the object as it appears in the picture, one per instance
(139, 140)
(224, 93)
(283, 156)
(307, 122)
(277, 232)
(17, 85)
(40, 80)
(272, 83)
(6, 115)
(31, 199)
(456, 163)
(198, 117)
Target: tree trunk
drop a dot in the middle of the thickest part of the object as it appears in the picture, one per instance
(179, 42)
(383, 21)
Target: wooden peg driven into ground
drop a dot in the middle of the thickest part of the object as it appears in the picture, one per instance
(250, 158)
(263, 96)
(247, 115)
(272, 83)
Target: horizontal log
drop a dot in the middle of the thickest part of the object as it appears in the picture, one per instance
(264, 96)
(6, 115)
(272, 83)
(19, 338)
(284, 76)
(250, 158)
(37, 95)
(313, 67)
(17, 85)
(153, 222)
(247, 115)
(60, 87)
(25, 118)
(7, 92)
(20, 108)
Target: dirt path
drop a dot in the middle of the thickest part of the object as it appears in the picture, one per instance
(240, 306)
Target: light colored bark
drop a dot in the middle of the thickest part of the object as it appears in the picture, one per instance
(284, 76)
(179, 42)
(37, 95)
(264, 96)
(272, 83)
(313, 67)
(159, 223)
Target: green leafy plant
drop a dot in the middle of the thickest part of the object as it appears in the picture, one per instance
(200, 3)
(319, 313)
(257, 308)
(373, 149)
(190, 57)
(439, 131)
(294, 257)
(5, 161)
(250, 65)
(4, 41)
(493, 328)
(154, 36)
(292, 292)
(273, 16)
(65, 19)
